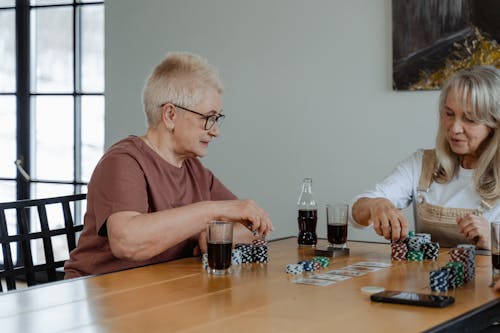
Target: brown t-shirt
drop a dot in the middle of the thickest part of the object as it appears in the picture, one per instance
(132, 177)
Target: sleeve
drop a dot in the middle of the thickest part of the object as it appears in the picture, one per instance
(118, 185)
(399, 186)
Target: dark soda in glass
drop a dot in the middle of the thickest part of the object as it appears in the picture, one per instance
(495, 260)
(219, 255)
(307, 220)
(337, 233)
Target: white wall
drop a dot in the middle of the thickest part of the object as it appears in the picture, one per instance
(308, 93)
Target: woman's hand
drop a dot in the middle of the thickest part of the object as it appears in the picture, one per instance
(475, 229)
(247, 212)
(387, 220)
(202, 244)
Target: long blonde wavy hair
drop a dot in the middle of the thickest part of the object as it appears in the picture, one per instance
(479, 90)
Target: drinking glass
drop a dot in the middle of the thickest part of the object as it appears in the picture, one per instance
(336, 220)
(495, 251)
(220, 244)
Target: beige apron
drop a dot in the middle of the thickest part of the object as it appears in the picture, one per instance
(439, 221)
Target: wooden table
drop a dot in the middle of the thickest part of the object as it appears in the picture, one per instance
(180, 296)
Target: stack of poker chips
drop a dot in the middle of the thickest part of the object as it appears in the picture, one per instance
(245, 253)
(416, 242)
(460, 269)
(255, 252)
(399, 250)
(416, 247)
(236, 258)
(431, 250)
(259, 253)
(307, 265)
(465, 254)
(439, 279)
(323, 261)
(456, 275)
(415, 255)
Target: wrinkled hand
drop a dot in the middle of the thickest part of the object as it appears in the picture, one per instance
(202, 245)
(247, 212)
(202, 242)
(388, 221)
(475, 229)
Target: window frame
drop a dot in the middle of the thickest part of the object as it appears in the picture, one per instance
(24, 97)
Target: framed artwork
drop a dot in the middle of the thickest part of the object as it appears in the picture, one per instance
(431, 39)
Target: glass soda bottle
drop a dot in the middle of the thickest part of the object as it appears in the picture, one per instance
(307, 215)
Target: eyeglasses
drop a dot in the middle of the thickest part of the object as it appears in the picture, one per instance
(209, 120)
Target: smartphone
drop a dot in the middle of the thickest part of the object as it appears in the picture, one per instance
(410, 298)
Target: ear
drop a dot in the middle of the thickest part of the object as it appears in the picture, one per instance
(169, 115)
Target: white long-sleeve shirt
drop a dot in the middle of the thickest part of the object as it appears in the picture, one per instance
(400, 187)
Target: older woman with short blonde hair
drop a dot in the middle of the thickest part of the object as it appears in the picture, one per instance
(150, 198)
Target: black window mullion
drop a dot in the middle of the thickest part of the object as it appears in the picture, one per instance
(23, 94)
(77, 137)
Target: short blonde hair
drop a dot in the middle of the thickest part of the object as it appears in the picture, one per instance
(479, 89)
(181, 78)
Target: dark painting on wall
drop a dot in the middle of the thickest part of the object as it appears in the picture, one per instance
(431, 39)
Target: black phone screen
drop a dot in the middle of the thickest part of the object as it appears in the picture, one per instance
(411, 298)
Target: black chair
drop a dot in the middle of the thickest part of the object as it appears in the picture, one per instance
(31, 225)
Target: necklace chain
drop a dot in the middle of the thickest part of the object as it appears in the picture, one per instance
(150, 144)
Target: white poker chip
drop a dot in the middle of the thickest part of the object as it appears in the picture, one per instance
(371, 289)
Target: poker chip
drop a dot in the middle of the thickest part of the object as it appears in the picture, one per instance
(260, 242)
(371, 289)
(324, 261)
(294, 269)
(307, 265)
(426, 237)
(316, 265)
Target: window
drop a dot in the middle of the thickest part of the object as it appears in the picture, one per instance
(51, 97)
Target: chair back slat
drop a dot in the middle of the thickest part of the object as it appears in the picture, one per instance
(69, 225)
(47, 241)
(8, 265)
(23, 267)
(23, 230)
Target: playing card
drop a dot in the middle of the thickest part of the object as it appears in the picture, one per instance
(346, 272)
(361, 268)
(314, 282)
(330, 277)
(374, 264)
